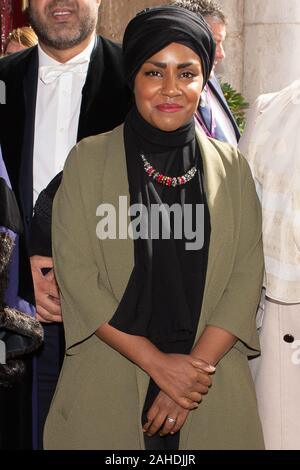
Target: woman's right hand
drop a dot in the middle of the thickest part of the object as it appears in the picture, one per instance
(182, 377)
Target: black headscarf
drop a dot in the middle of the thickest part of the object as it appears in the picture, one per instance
(156, 28)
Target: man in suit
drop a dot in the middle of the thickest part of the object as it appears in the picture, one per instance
(214, 115)
(68, 87)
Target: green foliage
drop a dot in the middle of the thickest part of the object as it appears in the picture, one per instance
(237, 104)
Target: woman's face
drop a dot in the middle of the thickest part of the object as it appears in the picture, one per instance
(168, 87)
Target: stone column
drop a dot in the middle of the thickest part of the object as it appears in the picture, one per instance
(271, 38)
(232, 68)
(115, 14)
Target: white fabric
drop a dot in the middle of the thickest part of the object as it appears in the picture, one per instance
(58, 105)
(276, 374)
(271, 143)
(49, 73)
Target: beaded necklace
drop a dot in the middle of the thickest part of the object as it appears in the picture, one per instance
(167, 180)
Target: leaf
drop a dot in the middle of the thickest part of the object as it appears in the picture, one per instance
(237, 104)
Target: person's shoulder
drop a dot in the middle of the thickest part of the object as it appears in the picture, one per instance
(226, 157)
(107, 43)
(287, 94)
(9, 63)
(99, 140)
(92, 151)
(109, 48)
(108, 55)
(263, 101)
(225, 150)
(88, 159)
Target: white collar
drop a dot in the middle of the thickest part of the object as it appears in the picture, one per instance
(45, 59)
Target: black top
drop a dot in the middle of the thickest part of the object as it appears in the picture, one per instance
(164, 294)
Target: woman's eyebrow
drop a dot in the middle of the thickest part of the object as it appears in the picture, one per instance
(163, 65)
(185, 64)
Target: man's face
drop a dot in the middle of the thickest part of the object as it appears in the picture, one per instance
(63, 24)
(218, 29)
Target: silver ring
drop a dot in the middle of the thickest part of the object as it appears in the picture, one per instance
(171, 420)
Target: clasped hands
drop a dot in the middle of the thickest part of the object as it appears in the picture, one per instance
(183, 380)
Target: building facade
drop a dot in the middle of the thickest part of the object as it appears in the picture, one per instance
(261, 46)
(262, 42)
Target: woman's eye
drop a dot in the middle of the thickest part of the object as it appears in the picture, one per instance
(187, 74)
(153, 73)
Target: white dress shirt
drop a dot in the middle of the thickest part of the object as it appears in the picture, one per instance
(59, 95)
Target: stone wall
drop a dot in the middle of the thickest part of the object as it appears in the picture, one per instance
(272, 38)
(232, 68)
(262, 46)
(262, 43)
(115, 14)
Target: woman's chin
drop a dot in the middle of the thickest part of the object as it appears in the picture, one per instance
(169, 125)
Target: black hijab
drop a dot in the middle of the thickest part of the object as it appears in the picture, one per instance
(155, 28)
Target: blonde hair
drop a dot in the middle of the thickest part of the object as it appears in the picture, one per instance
(24, 36)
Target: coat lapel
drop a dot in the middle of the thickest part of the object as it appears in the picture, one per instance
(118, 254)
(106, 98)
(217, 90)
(26, 168)
(221, 219)
(220, 256)
(90, 91)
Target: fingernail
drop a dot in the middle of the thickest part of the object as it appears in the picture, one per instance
(196, 405)
(211, 368)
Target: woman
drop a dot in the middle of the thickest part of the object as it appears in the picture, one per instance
(132, 307)
(274, 160)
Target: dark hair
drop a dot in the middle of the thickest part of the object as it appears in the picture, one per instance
(206, 8)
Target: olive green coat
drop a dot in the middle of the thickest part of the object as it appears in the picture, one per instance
(100, 394)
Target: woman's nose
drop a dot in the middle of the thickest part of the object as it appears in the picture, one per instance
(170, 86)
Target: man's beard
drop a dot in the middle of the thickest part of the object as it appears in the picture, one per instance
(63, 37)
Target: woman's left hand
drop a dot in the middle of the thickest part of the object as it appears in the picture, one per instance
(165, 416)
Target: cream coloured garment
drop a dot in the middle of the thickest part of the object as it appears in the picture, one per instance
(271, 144)
(277, 376)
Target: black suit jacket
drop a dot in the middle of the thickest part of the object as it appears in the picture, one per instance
(106, 100)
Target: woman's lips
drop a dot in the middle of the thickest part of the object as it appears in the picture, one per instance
(169, 108)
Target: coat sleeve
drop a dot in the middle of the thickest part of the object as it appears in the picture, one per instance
(236, 311)
(86, 302)
(250, 139)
